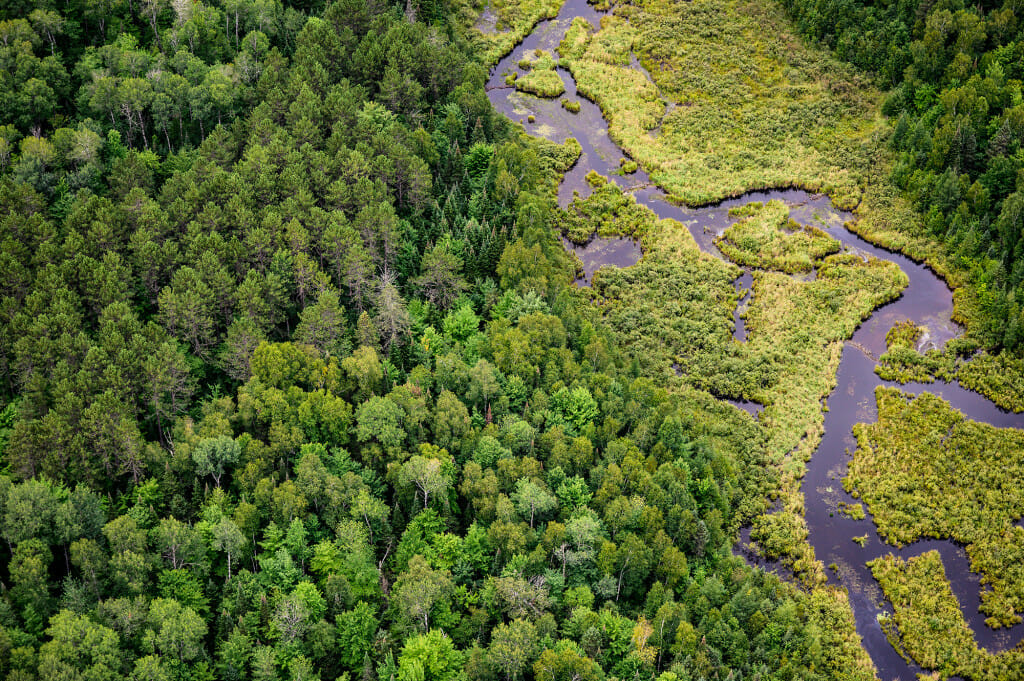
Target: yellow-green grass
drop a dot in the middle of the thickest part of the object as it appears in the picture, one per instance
(767, 238)
(999, 377)
(903, 334)
(676, 307)
(541, 78)
(515, 20)
(542, 82)
(753, 107)
(924, 470)
(613, 43)
(932, 628)
(576, 39)
(540, 60)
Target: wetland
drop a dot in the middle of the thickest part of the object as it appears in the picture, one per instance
(784, 240)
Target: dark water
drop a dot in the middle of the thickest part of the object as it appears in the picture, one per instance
(743, 287)
(927, 301)
(598, 252)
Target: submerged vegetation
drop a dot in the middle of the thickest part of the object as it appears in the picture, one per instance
(910, 468)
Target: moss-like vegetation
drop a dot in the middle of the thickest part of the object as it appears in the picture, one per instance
(514, 20)
(998, 377)
(541, 82)
(911, 468)
(855, 511)
(767, 238)
(571, 105)
(903, 334)
(932, 629)
(627, 167)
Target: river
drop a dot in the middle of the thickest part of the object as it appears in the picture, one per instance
(927, 301)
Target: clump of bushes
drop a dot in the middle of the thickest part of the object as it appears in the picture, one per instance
(903, 334)
(541, 78)
(767, 238)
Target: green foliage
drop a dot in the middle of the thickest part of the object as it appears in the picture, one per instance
(931, 625)
(905, 469)
(766, 118)
(541, 83)
(767, 238)
(513, 20)
(542, 79)
(954, 107)
(301, 258)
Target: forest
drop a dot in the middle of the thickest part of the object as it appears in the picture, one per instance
(295, 385)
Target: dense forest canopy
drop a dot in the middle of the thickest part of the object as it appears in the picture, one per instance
(294, 385)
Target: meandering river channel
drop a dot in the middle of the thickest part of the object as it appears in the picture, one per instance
(927, 301)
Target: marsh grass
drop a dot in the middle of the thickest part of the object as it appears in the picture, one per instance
(541, 78)
(999, 377)
(515, 21)
(766, 237)
(576, 39)
(932, 629)
(903, 334)
(755, 108)
(855, 511)
(542, 83)
(557, 158)
(924, 470)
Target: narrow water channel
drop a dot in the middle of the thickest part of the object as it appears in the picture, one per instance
(927, 301)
